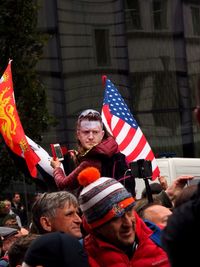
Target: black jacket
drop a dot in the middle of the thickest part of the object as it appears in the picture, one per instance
(181, 236)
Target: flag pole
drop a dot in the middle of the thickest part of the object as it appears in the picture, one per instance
(104, 78)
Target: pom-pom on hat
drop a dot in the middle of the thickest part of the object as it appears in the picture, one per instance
(102, 198)
(88, 175)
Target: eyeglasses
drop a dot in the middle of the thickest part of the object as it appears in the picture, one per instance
(88, 113)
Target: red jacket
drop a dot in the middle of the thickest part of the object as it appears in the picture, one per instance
(106, 149)
(147, 253)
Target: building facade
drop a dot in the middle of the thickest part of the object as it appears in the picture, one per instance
(150, 49)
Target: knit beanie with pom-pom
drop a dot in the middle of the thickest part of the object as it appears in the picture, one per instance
(102, 198)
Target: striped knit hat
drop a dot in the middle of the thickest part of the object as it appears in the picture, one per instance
(102, 198)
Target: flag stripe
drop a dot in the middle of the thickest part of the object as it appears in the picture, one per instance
(137, 152)
(117, 126)
(106, 118)
(143, 153)
(127, 137)
(133, 143)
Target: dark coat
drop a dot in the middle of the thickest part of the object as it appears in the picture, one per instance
(181, 236)
(102, 156)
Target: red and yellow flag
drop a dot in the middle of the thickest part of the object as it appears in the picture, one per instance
(10, 125)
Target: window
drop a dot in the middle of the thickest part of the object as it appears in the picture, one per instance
(102, 47)
(133, 14)
(159, 14)
(196, 20)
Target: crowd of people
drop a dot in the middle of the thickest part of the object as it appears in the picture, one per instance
(94, 218)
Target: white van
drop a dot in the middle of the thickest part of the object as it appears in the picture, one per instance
(171, 168)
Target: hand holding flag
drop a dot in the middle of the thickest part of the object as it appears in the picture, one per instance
(121, 124)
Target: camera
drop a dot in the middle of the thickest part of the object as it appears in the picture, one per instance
(141, 169)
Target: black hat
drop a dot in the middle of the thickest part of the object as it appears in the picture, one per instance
(6, 232)
(56, 249)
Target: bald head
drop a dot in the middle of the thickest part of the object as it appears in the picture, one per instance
(157, 214)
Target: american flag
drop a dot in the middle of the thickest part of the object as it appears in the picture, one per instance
(121, 124)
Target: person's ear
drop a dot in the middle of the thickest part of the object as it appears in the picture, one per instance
(45, 223)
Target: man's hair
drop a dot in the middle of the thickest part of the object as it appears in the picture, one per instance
(47, 205)
(142, 204)
(18, 249)
(6, 200)
(15, 193)
(10, 217)
(90, 115)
